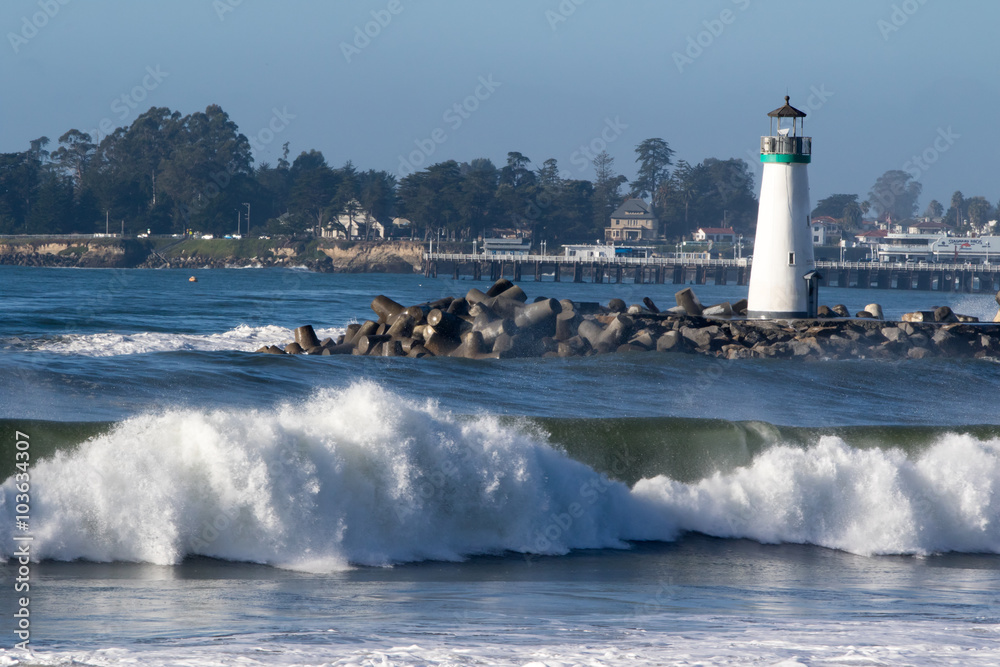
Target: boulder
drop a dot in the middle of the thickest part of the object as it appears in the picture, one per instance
(590, 331)
(472, 346)
(893, 333)
(687, 300)
(919, 316)
(699, 336)
(367, 344)
(875, 310)
(474, 296)
(537, 314)
(724, 309)
(805, 347)
(491, 330)
(948, 342)
(668, 341)
(840, 310)
(445, 323)
(645, 339)
(402, 327)
(944, 314)
(386, 308)
(566, 322)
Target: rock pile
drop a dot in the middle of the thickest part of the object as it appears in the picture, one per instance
(500, 324)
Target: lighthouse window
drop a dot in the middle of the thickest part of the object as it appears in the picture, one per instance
(791, 259)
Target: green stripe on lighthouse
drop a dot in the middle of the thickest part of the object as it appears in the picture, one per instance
(786, 157)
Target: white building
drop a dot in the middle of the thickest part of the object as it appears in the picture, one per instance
(715, 234)
(589, 251)
(784, 283)
(516, 246)
(825, 231)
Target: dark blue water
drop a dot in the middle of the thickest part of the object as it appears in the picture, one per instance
(195, 501)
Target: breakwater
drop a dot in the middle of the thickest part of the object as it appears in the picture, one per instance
(500, 323)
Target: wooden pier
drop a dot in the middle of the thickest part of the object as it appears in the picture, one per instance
(967, 278)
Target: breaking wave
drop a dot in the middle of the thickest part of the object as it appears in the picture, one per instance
(364, 476)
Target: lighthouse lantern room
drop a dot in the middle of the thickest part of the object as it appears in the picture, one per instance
(784, 282)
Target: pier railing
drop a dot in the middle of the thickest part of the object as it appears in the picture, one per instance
(608, 261)
(707, 263)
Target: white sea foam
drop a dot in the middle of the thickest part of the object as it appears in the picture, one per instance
(364, 476)
(731, 641)
(863, 501)
(243, 338)
(358, 476)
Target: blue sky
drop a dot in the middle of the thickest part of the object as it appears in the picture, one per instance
(882, 81)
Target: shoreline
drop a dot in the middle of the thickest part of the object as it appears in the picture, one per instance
(320, 255)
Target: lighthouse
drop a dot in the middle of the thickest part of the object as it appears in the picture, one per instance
(783, 281)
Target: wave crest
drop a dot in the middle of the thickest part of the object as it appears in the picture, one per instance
(363, 476)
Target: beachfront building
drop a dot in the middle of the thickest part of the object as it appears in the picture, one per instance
(506, 246)
(714, 234)
(632, 221)
(589, 251)
(926, 227)
(784, 282)
(825, 230)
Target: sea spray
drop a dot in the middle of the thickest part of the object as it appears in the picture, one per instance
(364, 476)
(243, 338)
(863, 501)
(356, 476)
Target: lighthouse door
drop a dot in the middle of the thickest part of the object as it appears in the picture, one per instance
(812, 293)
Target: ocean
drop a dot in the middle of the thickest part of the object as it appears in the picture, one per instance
(191, 502)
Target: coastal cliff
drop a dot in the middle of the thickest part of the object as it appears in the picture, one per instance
(319, 255)
(384, 257)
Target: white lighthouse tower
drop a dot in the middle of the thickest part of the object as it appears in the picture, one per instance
(783, 280)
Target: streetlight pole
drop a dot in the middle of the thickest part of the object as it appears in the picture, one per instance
(247, 204)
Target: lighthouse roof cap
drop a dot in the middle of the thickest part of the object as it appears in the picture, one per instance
(787, 111)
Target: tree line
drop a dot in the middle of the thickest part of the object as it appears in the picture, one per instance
(895, 195)
(169, 173)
